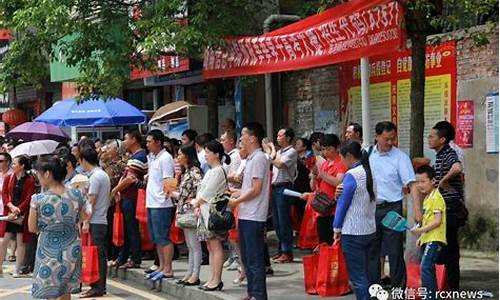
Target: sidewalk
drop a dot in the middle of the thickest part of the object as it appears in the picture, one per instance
(288, 283)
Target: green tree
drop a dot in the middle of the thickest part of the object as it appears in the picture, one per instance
(425, 17)
(111, 36)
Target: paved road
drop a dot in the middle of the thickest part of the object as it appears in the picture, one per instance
(20, 289)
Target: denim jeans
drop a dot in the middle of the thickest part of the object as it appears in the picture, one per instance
(282, 219)
(132, 243)
(355, 249)
(430, 253)
(252, 245)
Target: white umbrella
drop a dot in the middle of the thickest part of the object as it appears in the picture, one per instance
(35, 148)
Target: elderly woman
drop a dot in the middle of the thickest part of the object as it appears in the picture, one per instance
(56, 214)
(16, 194)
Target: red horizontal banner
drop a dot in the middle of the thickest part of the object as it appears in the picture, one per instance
(167, 64)
(345, 32)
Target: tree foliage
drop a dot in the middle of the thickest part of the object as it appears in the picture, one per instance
(111, 36)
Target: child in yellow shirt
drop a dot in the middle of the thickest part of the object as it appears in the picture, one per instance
(433, 231)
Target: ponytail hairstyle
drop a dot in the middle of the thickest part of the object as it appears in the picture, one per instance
(354, 148)
(217, 148)
(56, 166)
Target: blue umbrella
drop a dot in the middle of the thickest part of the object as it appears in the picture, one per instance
(114, 112)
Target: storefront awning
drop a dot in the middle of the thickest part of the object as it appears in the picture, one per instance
(358, 28)
(169, 109)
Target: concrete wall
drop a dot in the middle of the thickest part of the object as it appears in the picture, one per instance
(477, 75)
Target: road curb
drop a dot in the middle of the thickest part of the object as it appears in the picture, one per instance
(167, 287)
(479, 254)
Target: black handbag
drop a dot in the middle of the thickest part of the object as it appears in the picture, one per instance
(220, 217)
(322, 204)
(221, 221)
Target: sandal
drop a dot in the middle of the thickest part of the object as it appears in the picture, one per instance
(91, 294)
(130, 265)
(158, 276)
(151, 275)
(115, 264)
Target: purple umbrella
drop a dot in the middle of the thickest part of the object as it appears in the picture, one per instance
(33, 131)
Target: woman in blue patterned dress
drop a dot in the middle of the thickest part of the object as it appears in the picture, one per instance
(55, 215)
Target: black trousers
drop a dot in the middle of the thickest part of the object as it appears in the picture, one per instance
(450, 255)
(29, 256)
(325, 229)
(98, 232)
(111, 250)
(394, 247)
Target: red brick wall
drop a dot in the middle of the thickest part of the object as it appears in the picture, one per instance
(477, 62)
(310, 91)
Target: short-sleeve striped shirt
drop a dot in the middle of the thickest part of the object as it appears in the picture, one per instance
(446, 158)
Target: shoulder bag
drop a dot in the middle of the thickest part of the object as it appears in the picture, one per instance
(220, 218)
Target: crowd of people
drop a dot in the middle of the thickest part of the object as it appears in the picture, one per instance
(77, 189)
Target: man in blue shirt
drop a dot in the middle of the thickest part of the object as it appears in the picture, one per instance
(392, 170)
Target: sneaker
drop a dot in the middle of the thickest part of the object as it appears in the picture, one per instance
(234, 266)
(228, 262)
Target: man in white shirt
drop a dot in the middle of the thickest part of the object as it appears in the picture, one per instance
(253, 205)
(199, 143)
(284, 172)
(228, 140)
(160, 207)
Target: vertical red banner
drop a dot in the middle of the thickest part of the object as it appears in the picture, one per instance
(465, 123)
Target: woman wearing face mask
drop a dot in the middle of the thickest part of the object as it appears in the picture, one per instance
(213, 183)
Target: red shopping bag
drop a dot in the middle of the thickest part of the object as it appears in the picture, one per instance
(233, 233)
(176, 234)
(414, 282)
(141, 212)
(310, 264)
(90, 261)
(308, 235)
(332, 279)
(146, 243)
(118, 229)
